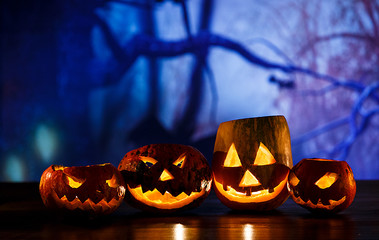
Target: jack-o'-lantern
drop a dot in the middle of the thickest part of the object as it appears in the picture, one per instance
(322, 185)
(165, 177)
(93, 190)
(251, 162)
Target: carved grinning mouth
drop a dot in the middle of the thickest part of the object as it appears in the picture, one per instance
(319, 204)
(167, 201)
(101, 206)
(327, 180)
(251, 197)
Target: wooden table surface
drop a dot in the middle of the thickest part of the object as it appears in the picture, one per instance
(23, 216)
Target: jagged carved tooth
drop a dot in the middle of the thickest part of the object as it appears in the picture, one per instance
(76, 203)
(162, 190)
(173, 194)
(188, 192)
(225, 186)
(248, 192)
(324, 202)
(145, 188)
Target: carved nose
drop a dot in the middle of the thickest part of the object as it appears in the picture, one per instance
(248, 180)
(165, 176)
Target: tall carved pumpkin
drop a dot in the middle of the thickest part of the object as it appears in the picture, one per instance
(165, 177)
(322, 185)
(251, 162)
(96, 189)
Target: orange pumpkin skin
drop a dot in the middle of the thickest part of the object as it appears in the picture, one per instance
(263, 151)
(322, 186)
(277, 173)
(165, 178)
(90, 190)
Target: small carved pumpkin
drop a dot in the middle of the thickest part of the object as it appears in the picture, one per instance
(96, 189)
(322, 185)
(251, 162)
(165, 177)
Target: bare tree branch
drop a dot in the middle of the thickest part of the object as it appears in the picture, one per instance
(357, 36)
(342, 149)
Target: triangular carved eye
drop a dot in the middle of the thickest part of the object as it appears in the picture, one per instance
(74, 182)
(232, 159)
(264, 156)
(112, 182)
(148, 161)
(293, 180)
(180, 161)
(327, 180)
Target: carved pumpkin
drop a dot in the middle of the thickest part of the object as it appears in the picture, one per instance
(322, 185)
(251, 162)
(96, 189)
(165, 177)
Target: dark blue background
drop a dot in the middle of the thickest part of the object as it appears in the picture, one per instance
(83, 82)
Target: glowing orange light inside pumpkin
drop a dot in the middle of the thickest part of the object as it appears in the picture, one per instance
(112, 182)
(264, 156)
(248, 180)
(258, 196)
(58, 167)
(148, 160)
(232, 159)
(166, 201)
(180, 161)
(320, 205)
(251, 162)
(103, 205)
(162, 187)
(63, 187)
(327, 180)
(294, 181)
(165, 176)
(74, 183)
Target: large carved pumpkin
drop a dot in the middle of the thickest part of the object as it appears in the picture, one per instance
(251, 162)
(165, 177)
(322, 185)
(96, 189)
